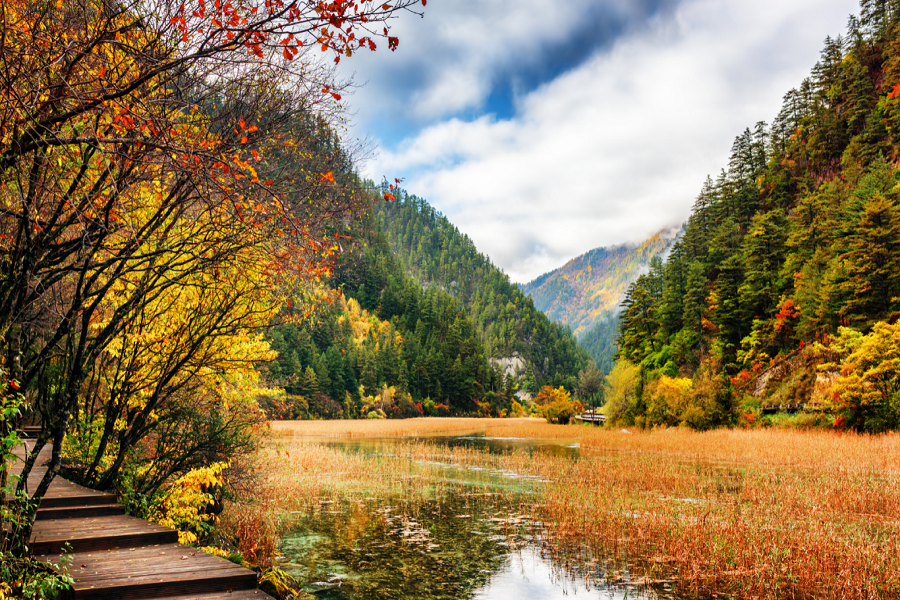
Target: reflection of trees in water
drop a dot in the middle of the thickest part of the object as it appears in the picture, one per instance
(448, 527)
(440, 550)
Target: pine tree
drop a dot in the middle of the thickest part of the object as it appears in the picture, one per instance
(874, 263)
(762, 255)
(310, 386)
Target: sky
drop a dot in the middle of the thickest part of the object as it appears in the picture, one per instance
(544, 128)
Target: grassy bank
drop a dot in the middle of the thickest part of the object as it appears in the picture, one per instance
(768, 514)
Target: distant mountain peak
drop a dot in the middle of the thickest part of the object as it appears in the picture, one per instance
(582, 290)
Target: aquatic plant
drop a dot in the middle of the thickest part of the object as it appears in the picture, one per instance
(759, 513)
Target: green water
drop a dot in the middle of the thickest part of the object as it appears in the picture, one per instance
(470, 542)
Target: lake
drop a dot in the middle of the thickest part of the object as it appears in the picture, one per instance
(469, 539)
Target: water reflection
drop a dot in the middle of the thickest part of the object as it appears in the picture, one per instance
(372, 552)
(495, 445)
(469, 543)
(529, 576)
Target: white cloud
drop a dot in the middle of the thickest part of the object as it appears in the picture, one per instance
(450, 60)
(617, 148)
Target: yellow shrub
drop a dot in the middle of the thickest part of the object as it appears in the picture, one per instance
(556, 405)
(183, 503)
(668, 401)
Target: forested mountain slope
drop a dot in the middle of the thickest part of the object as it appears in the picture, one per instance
(601, 342)
(419, 321)
(578, 293)
(434, 252)
(791, 256)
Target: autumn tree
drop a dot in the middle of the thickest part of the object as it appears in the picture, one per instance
(556, 404)
(148, 147)
(622, 382)
(867, 394)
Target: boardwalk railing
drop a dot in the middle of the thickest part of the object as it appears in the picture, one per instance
(591, 416)
(768, 409)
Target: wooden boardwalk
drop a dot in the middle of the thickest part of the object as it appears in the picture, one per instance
(591, 416)
(768, 409)
(113, 555)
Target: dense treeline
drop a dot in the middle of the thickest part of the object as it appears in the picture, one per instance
(387, 332)
(793, 245)
(435, 253)
(399, 346)
(600, 341)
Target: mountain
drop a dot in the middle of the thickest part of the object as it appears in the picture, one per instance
(423, 324)
(437, 255)
(581, 291)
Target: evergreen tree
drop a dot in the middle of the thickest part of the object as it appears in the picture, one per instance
(310, 386)
(874, 263)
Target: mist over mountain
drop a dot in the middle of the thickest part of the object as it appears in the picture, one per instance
(579, 293)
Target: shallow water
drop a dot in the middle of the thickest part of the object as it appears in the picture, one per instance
(471, 543)
(496, 445)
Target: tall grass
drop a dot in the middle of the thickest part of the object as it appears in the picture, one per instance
(762, 513)
(384, 428)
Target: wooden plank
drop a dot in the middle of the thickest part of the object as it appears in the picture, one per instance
(61, 492)
(87, 525)
(127, 562)
(101, 542)
(68, 512)
(163, 587)
(98, 533)
(65, 493)
(127, 572)
(155, 571)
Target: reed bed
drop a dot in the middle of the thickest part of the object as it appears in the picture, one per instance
(384, 428)
(812, 449)
(300, 476)
(764, 514)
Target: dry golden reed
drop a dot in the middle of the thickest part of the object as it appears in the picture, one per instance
(756, 514)
(384, 428)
